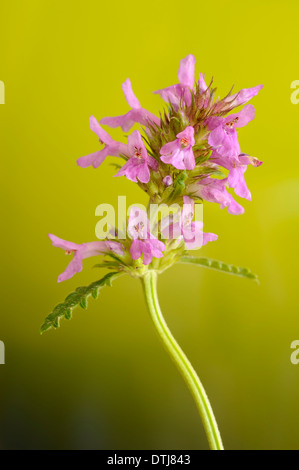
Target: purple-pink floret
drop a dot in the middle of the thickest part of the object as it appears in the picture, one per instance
(136, 115)
(213, 190)
(188, 229)
(139, 164)
(223, 136)
(143, 242)
(180, 93)
(80, 252)
(179, 153)
(112, 148)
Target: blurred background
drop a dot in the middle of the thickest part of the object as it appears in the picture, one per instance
(103, 380)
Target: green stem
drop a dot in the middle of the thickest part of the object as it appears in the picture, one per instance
(202, 402)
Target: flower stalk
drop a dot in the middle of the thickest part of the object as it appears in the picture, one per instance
(149, 282)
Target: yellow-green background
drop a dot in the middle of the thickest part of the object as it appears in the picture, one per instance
(103, 379)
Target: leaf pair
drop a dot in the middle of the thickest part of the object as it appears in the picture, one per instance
(81, 294)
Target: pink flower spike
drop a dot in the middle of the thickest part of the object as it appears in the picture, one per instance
(85, 250)
(143, 241)
(139, 164)
(137, 113)
(181, 92)
(179, 152)
(112, 148)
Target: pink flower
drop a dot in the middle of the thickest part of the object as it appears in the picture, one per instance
(243, 96)
(238, 99)
(137, 113)
(213, 190)
(190, 231)
(181, 92)
(85, 250)
(245, 159)
(143, 241)
(237, 167)
(223, 134)
(179, 152)
(112, 148)
(139, 164)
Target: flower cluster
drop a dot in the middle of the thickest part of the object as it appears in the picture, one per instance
(190, 154)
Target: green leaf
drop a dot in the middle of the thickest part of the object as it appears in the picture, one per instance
(116, 258)
(220, 266)
(107, 264)
(78, 297)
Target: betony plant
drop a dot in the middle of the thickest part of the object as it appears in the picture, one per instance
(187, 156)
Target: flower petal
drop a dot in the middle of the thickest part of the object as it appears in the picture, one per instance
(216, 137)
(60, 243)
(135, 141)
(245, 115)
(143, 173)
(75, 266)
(248, 160)
(186, 71)
(126, 121)
(189, 159)
(136, 249)
(202, 84)
(243, 96)
(95, 159)
(99, 131)
(236, 180)
(129, 94)
(169, 148)
(129, 169)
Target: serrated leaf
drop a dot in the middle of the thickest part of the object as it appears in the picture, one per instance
(83, 304)
(78, 297)
(68, 314)
(220, 266)
(95, 293)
